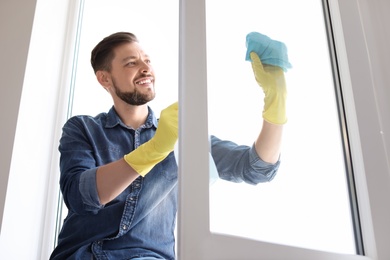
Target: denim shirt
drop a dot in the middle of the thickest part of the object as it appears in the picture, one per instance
(140, 222)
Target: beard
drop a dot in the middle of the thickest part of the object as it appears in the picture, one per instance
(134, 98)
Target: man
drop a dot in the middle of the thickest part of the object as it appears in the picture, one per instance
(118, 171)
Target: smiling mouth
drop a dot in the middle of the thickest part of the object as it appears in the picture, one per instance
(144, 82)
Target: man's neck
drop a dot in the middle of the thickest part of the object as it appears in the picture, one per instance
(132, 116)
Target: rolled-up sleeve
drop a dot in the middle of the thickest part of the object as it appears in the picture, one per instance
(78, 170)
(241, 163)
(88, 190)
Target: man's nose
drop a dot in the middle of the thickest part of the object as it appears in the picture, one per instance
(145, 67)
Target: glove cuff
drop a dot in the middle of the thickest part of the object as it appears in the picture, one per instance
(144, 158)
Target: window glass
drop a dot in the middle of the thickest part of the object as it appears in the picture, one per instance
(307, 204)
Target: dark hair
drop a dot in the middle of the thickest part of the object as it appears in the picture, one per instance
(103, 53)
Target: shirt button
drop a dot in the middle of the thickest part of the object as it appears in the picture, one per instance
(124, 227)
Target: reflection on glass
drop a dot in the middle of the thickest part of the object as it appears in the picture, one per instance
(307, 203)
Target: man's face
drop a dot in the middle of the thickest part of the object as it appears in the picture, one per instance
(132, 74)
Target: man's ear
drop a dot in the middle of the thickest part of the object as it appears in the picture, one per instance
(103, 78)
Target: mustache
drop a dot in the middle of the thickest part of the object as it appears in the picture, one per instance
(143, 75)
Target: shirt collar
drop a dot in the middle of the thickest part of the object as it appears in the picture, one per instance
(113, 119)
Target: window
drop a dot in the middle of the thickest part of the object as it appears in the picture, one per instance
(194, 216)
(308, 203)
(338, 145)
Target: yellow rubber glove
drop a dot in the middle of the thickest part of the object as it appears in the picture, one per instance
(271, 79)
(147, 155)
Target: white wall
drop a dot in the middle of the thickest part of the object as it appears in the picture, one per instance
(15, 31)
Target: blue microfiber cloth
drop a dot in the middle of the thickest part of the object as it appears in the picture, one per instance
(270, 51)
